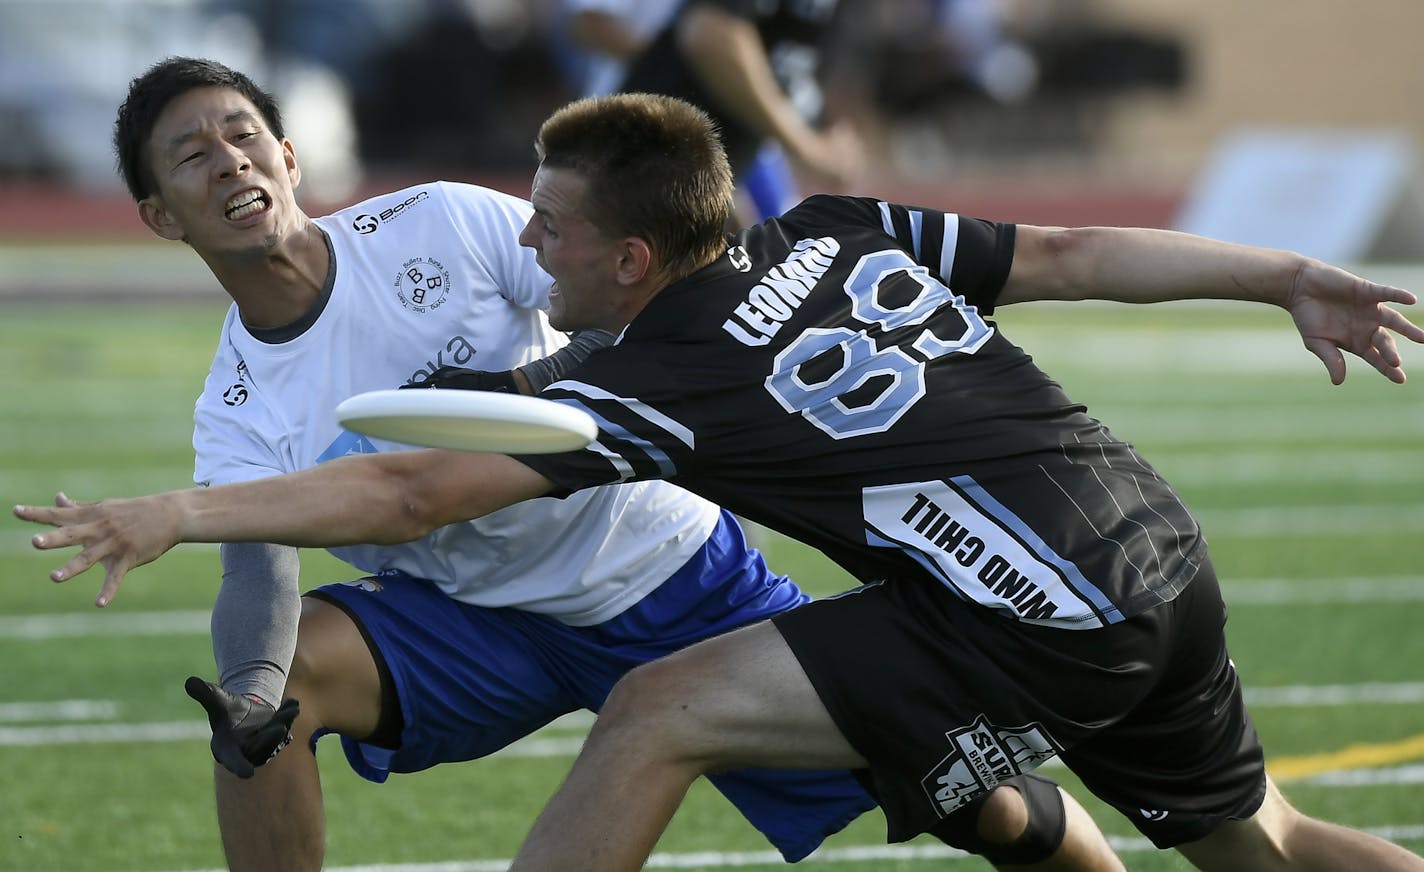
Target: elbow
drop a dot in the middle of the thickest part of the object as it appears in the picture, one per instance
(401, 503)
(1063, 258)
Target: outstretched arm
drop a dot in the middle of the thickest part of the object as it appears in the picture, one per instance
(1334, 310)
(371, 498)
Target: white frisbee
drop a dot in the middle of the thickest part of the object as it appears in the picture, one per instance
(468, 420)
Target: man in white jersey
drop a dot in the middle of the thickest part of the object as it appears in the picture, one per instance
(477, 633)
(1032, 586)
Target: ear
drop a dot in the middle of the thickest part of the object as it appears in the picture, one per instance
(153, 213)
(289, 157)
(635, 260)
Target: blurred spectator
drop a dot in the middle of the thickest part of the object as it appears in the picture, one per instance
(463, 87)
(757, 68)
(64, 66)
(596, 39)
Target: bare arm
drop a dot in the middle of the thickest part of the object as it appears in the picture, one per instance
(1333, 309)
(605, 33)
(371, 498)
(728, 56)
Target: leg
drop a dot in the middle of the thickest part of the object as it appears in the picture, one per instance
(736, 700)
(1030, 823)
(1279, 837)
(275, 820)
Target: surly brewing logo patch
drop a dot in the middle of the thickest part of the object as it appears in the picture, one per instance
(983, 755)
(423, 284)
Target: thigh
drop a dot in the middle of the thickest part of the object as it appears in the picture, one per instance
(334, 675)
(467, 680)
(947, 699)
(1186, 758)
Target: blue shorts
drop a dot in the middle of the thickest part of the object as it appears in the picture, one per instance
(471, 680)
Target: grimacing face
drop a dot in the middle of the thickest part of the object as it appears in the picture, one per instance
(582, 261)
(224, 182)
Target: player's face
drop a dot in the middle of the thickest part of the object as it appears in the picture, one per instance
(225, 183)
(581, 259)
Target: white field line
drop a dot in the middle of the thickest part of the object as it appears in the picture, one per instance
(98, 623)
(59, 710)
(554, 741)
(1249, 523)
(1241, 591)
(1312, 520)
(1383, 466)
(825, 856)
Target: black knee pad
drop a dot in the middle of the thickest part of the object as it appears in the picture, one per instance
(1047, 821)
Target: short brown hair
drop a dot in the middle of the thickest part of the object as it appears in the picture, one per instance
(655, 167)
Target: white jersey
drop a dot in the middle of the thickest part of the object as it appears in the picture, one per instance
(424, 277)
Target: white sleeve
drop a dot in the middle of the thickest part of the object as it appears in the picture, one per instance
(490, 223)
(226, 447)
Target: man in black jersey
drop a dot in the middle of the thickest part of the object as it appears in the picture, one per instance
(1032, 587)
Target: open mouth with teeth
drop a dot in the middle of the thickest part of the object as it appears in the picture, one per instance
(246, 204)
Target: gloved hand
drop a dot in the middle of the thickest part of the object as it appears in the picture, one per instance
(246, 732)
(468, 380)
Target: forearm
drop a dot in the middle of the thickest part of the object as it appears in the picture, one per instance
(543, 372)
(254, 622)
(604, 33)
(1138, 265)
(727, 54)
(373, 499)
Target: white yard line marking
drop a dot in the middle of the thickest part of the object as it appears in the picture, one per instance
(826, 856)
(549, 742)
(1252, 523)
(1311, 520)
(1239, 591)
(1367, 777)
(63, 626)
(59, 710)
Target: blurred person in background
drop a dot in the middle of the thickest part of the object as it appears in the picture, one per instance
(758, 68)
(600, 38)
(457, 644)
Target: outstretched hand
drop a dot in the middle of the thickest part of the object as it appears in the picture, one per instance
(118, 534)
(246, 732)
(1336, 311)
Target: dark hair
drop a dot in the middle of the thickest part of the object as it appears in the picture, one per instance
(655, 167)
(151, 92)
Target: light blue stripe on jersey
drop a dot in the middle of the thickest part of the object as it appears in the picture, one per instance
(917, 229)
(666, 467)
(887, 222)
(949, 245)
(1090, 592)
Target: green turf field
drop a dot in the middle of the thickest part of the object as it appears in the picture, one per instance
(1312, 495)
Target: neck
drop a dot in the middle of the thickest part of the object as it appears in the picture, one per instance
(276, 286)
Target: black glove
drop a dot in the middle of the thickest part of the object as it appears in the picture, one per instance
(468, 380)
(246, 732)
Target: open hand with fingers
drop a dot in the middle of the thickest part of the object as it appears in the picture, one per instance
(1336, 311)
(117, 534)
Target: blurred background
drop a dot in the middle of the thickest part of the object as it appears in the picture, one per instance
(1295, 124)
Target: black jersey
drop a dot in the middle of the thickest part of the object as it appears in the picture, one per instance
(792, 32)
(834, 376)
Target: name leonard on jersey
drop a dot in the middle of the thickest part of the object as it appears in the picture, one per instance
(772, 301)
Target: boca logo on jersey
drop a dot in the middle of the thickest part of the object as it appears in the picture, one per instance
(423, 284)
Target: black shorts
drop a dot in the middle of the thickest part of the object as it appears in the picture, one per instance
(946, 698)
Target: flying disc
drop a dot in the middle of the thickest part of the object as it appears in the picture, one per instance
(468, 420)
